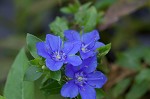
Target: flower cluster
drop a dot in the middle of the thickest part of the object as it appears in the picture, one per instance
(78, 53)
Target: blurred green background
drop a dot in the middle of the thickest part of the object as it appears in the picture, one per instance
(124, 23)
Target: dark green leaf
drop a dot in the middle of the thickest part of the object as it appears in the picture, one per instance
(143, 76)
(102, 5)
(58, 26)
(132, 58)
(121, 87)
(100, 94)
(104, 50)
(39, 94)
(147, 55)
(138, 90)
(15, 87)
(32, 73)
(51, 87)
(31, 43)
(56, 75)
(126, 60)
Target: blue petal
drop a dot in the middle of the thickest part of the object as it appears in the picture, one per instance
(54, 42)
(87, 55)
(53, 65)
(90, 37)
(96, 79)
(69, 71)
(72, 48)
(42, 50)
(74, 60)
(89, 65)
(72, 35)
(69, 90)
(87, 92)
(97, 45)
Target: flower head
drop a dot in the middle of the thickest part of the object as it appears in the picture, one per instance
(89, 42)
(56, 53)
(84, 79)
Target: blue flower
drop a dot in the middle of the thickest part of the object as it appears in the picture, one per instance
(84, 79)
(89, 42)
(57, 53)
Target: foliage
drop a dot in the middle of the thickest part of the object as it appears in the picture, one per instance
(1, 97)
(132, 63)
(24, 90)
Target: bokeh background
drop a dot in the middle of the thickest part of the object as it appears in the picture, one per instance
(124, 23)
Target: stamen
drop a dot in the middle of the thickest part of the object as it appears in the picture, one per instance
(58, 56)
(80, 79)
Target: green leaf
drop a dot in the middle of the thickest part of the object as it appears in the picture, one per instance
(58, 26)
(131, 58)
(1, 97)
(104, 4)
(143, 76)
(56, 75)
(86, 19)
(147, 55)
(126, 60)
(140, 86)
(72, 8)
(51, 87)
(37, 62)
(85, 6)
(31, 43)
(90, 19)
(100, 94)
(138, 90)
(32, 73)
(66, 10)
(15, 87)
(104, 50)
(42, 93)
(121, 87)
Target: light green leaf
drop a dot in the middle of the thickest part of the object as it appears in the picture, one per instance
(90, 19)
(37, 62)
(86, 19)
(31, 43)
(1, 97)
(121, 87)
(32, 73)
(85, 6)
(15, 87)
(72, 8)
(104, 50)
(66, 10)
(58, 26)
